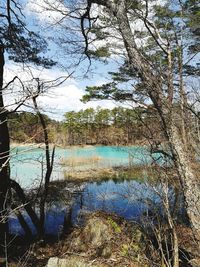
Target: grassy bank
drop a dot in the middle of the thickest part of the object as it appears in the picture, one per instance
(115, 173)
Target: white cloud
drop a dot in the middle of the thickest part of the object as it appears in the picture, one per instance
(51, 11)
(67, 98)
(56, 101)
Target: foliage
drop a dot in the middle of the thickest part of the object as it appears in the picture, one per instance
(104, 126)
(25, 127)
(119, 126)
(21, 44)
(114, 225)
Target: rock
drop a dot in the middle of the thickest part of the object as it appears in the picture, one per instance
(71, 262)
(68, 262)
(105, 239)
(96, 233)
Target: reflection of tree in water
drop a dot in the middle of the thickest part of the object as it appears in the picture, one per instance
(130, 199)
(68, 203)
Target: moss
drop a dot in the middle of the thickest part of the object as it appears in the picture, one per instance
(114, 225)
(124, 250)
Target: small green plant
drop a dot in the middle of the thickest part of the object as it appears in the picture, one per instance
(125, 249)
(131, 249)
(114, 225)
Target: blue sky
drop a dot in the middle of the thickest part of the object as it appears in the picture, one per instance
(66, 97)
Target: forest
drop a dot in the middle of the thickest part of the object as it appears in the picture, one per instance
(100, 126)
(99, 133)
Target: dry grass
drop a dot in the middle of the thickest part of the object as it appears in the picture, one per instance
(80, 161)
(89, 175)
(116, 173)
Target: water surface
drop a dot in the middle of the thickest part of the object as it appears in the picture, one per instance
(28, 163)
(129, 199)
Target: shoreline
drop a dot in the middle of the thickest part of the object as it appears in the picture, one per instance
(41, 145)
(117, 173)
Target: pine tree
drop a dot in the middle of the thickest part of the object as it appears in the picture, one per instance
(21, 45)
(158, 70)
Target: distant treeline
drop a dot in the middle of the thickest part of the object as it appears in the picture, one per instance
(103, 126)
(26, 127)
(119, 126)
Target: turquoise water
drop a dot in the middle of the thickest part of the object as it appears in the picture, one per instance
(27, 162)
(110, 155)
(129, 199)
(26, 166)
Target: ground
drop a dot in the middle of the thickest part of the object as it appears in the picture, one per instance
(105, 240)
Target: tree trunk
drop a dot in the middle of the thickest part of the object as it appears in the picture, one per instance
(22, 222)
(49, 166)
(190, 183)
(4, 155)
(27, 205)
(163, 105)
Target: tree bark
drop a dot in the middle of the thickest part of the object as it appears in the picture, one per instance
(190, 182)
(4, 154)
(163, 105)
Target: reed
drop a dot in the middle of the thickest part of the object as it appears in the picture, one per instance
(81, 161)
(94, 174)
(140, 173)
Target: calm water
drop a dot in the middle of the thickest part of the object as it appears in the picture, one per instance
(26, 162)
(129, 199)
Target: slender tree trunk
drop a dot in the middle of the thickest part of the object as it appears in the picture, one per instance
(27, 205)
(174, 238)
(190, 183)
(22, 222)
(67, 225)
(4, 154)
(49, 167)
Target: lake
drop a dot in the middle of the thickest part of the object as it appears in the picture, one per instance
(26, 162)
(130, 199)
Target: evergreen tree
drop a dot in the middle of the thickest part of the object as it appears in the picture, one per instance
(159, 62)
(24, 46)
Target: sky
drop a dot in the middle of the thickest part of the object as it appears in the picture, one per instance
(67, 96)
(56, 101)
